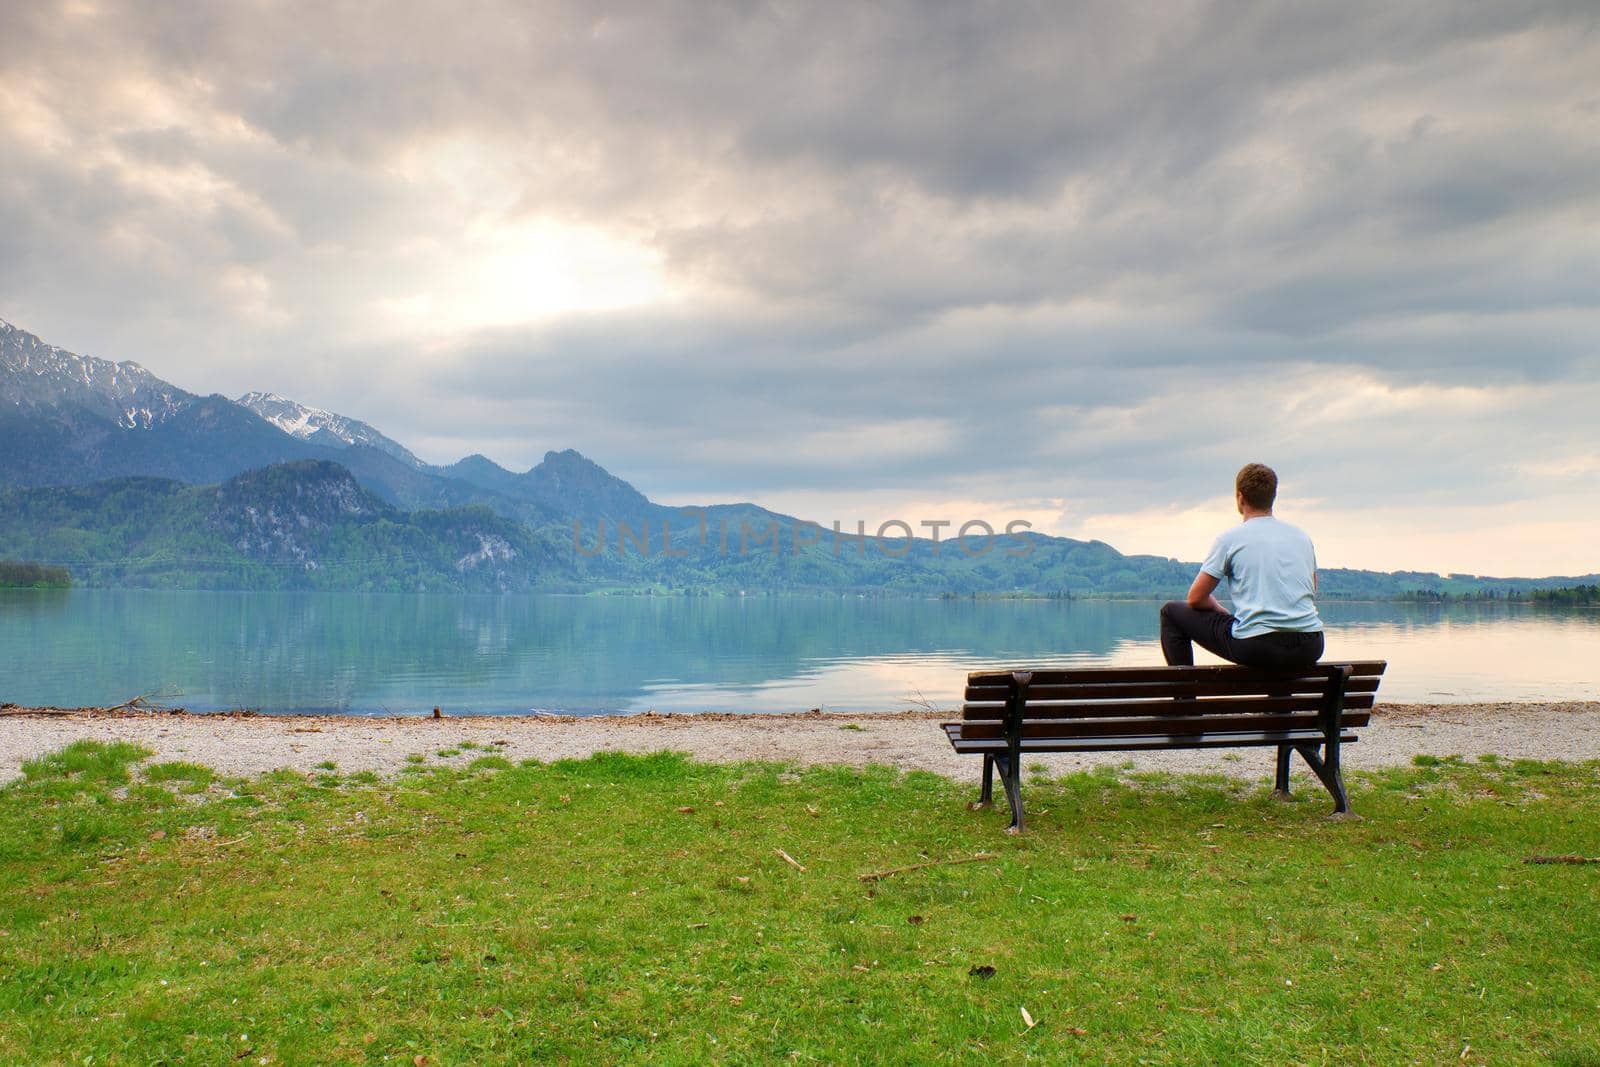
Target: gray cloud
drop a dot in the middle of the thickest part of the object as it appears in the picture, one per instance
(995, 251)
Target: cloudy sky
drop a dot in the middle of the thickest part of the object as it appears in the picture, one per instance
(1069, 263)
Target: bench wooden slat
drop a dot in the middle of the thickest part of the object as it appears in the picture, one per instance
(1354, 700)
(1134, 690)
(1176, 726)
(1101, 675)
(1068, 710)
(1169, 706)
(1150, 743)
(960, 731)
(1154, 724)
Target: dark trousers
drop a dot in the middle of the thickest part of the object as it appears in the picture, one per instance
(1213, 631)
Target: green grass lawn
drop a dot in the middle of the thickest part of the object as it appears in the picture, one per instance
(636, 908)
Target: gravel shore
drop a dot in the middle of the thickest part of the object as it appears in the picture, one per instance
(243, 744)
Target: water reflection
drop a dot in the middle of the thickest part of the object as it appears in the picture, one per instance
(360, 654)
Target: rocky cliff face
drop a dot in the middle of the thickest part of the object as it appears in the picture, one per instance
(288, 512)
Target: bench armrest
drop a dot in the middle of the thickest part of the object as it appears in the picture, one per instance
(1333, 700)
(1016, 702)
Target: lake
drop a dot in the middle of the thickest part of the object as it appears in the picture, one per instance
(355, 654)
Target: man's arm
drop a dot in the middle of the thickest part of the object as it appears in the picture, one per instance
(1200, 593)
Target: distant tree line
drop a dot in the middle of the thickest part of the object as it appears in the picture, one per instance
(1475, 596)
(16, 575)
(1568, 595)
(1564, 596)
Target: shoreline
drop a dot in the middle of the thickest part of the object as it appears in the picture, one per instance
(247, 743)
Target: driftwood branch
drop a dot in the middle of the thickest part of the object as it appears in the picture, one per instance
(140, 702)
(877, 876)
(17, 709)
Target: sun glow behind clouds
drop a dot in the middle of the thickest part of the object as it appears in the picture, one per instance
(487, 259)
(505, 275)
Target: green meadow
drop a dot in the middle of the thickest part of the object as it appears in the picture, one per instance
(655, 909)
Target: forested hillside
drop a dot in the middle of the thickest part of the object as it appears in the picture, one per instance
(310, 524)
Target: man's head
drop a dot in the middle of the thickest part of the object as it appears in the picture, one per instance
(1256, 486)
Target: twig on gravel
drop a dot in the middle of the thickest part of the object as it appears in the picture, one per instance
(876, 876)
(146, 701)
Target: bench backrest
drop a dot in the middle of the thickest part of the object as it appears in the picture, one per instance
(1121, 701)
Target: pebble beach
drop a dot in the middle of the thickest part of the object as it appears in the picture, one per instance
(248, 744)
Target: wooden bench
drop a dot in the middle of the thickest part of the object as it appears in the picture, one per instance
(1011, 714)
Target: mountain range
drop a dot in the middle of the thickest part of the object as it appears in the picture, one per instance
(129, 480)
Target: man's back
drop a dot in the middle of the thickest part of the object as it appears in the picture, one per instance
(1270, 567)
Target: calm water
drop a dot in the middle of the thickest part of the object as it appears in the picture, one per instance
(357, 654)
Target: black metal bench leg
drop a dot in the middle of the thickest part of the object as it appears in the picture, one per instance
(1335, 781)
(1280, 787)
(1326, 767)
(986, 796)
(1011, 779)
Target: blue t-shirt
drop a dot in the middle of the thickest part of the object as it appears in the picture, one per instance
(1270, 569)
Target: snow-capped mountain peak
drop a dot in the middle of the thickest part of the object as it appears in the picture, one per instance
(326, 428)
(295, 419)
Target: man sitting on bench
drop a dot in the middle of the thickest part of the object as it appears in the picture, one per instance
(1271, 570)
